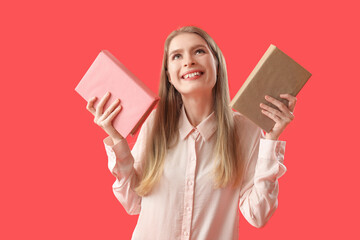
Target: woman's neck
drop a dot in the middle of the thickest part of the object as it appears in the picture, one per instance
(198, 107)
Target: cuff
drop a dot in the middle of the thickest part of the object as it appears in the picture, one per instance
(119, 156)
(272, 148)
(271, 156)
(121, 150)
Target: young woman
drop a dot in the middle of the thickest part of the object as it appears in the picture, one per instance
(196, 162)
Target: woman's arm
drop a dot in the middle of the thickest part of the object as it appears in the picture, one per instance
(260, 188)
(126, 166)
(123, 164)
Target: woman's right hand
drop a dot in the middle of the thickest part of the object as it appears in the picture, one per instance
(104, 118)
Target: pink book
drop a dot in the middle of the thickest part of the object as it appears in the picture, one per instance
(107, 74)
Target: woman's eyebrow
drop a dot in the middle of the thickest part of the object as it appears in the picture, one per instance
(179, 50)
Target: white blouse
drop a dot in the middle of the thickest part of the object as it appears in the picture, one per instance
(184, 204)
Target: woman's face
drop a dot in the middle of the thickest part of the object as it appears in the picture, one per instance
(191, 65)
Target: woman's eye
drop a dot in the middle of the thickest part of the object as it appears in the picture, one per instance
(176, 56)
(200, 50)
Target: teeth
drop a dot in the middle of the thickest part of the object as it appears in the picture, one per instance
(191, 75)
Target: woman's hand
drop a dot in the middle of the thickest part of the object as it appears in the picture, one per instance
(104, 119)
(282, 118)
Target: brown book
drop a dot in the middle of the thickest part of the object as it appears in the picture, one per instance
(275, 73)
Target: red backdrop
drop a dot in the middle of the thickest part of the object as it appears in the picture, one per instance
(54, 178)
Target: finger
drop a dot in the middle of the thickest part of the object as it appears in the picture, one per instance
(279, 104)
(90, 105)
(291, 116)
(110, 118)
(114, 113)
(279, 120)
(292, 100)
(100, 106)
(272, 110)
(109, 109)
(288, 96)
(274, 117)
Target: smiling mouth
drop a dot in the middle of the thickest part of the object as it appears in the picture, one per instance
(191, 75)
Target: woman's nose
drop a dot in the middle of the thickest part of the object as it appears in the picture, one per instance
(189, 61)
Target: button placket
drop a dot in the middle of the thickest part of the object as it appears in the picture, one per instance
(189, 187)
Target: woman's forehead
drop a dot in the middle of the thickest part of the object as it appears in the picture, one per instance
(186, 41)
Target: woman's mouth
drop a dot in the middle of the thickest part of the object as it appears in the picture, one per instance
(193, 75)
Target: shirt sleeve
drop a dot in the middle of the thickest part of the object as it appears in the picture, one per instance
(126, 166)
(260, 187)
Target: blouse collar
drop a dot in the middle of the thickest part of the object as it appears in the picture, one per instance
(206, 128)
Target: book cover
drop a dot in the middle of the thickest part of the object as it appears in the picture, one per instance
(274, 74)
(108, 74)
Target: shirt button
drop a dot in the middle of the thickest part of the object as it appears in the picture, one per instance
(186, 233)
(190, 183)
(189, 209)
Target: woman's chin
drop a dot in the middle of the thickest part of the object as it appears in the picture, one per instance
(199, 91)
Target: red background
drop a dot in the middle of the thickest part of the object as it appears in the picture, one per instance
(54, 179)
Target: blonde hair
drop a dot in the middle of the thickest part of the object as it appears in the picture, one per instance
(227, 165)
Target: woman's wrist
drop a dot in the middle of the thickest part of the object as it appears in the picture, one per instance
(270, 137)
(117, 138)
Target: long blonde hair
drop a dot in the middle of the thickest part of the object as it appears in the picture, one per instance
(165, 133)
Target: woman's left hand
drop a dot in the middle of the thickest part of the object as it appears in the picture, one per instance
(281, 118)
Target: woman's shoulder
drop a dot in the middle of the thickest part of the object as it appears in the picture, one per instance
(149, 121)
(152, 115)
